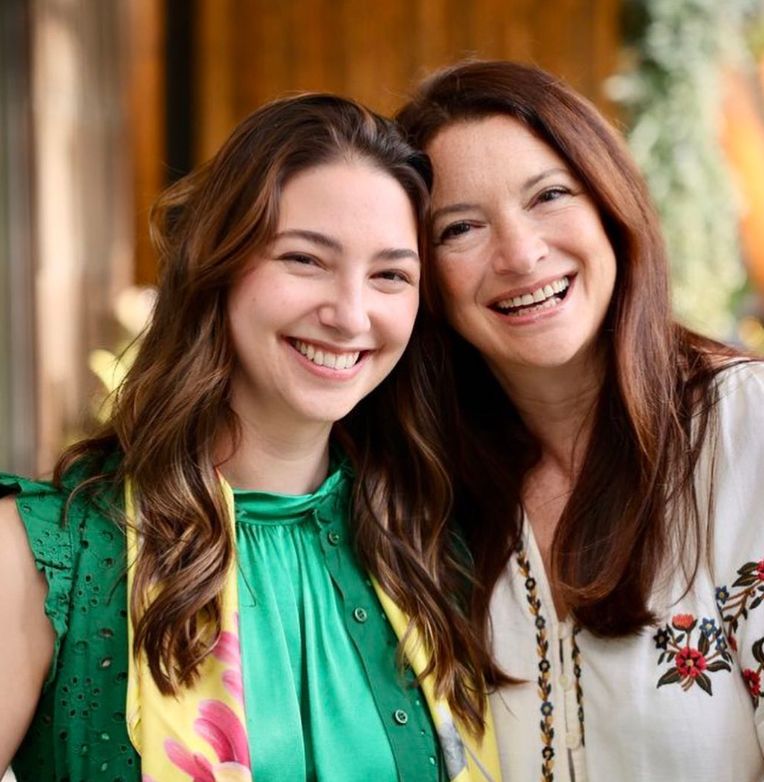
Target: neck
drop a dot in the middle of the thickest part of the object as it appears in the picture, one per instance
(283, 462)
(557, 405)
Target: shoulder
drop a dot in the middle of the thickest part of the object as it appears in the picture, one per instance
(741, 381)
(28, 637)
(731, 471)
(739, 409)
(19, 575)
(39, 508)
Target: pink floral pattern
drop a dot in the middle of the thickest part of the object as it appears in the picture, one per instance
(690, 661)
(219, 726)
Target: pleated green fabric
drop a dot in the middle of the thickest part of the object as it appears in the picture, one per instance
(324, 700)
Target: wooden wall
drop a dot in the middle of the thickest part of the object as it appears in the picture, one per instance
(249, 51)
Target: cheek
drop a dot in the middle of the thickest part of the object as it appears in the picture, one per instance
(456, 285)
(394, 320)
(402, 322)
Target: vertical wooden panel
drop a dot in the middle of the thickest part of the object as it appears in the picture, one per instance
(215, 40)
(146, 117)
(518, 31)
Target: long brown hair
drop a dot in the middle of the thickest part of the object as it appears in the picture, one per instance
(175, 401)
(618, 526)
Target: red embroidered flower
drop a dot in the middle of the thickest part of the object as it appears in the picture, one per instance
(683, 621)
(690, 662)
(760, 570)
(753, 680)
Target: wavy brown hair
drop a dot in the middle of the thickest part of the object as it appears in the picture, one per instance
(174, 403)
(623, 517)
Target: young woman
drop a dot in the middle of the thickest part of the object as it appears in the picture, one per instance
(211, 587)
(609, 461)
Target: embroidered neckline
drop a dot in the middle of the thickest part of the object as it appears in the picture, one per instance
(576, 656)
(544, 679)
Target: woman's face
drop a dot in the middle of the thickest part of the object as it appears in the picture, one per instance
(523, 262)
(324, 312)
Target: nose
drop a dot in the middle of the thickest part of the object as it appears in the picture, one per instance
(519, 245)
(345, 309)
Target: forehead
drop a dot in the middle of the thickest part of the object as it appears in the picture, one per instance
(340, 188)
(474, 151)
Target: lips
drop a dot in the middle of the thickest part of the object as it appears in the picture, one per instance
(546, 296)
(323, 357)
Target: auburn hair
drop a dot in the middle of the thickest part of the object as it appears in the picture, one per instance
(174, 403)
(655, 405)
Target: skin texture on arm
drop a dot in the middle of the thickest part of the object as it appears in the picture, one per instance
(27, 647)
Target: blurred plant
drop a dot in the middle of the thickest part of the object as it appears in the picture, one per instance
(132, 310)
(672, 92)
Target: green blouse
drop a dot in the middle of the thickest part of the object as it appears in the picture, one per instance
(324, 698)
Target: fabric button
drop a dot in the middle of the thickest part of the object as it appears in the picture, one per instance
(333, 537)
(400, 716)
(360, 615)
(565, 681)
(573, 739)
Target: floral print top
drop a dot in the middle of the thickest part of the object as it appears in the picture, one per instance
(679, 701)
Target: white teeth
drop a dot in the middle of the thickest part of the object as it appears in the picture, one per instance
(539, 296)
(323, 358)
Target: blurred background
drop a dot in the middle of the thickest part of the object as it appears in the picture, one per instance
(105, 102)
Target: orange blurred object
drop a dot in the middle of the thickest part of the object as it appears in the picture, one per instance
(743, 141)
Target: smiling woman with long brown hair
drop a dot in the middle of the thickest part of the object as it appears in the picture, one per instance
(211, 587)
(608, 462)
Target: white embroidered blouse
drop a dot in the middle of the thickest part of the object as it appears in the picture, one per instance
(680, 701)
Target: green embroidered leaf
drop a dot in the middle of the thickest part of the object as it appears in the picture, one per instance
(679, 638)
(758, 651)
(704, 683)
(749, 567)
(755, 602)
(672, 676)
(718, 665)
(745, 581)
(661, 658)
(703, 644)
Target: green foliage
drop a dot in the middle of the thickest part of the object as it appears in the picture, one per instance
(673, 97)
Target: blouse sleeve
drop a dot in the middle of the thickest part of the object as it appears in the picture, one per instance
(41, 507)
(737, 507)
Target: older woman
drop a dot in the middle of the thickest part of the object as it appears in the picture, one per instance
(211, 587)
(609, 461)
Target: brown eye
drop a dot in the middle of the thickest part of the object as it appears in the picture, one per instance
(305, 260)
(455, 229)
(553, 194)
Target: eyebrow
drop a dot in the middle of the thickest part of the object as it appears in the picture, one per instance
(527, 185)
(534, 180)
(387, 254)
(311, 236)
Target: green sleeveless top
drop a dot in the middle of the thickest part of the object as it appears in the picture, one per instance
(324, 698)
